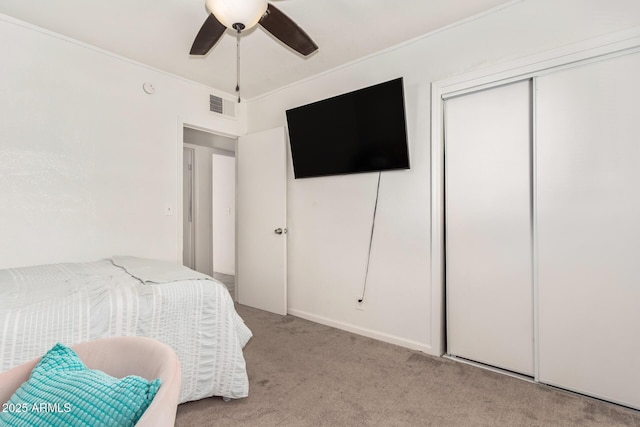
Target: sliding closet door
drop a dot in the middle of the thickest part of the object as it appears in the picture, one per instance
(488, 227)
(588, 198)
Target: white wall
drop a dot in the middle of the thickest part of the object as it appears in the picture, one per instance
(89, 163)
(329, 217)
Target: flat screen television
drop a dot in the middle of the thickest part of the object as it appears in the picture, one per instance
(360, 131)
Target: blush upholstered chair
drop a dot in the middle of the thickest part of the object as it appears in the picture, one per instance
(120, 357)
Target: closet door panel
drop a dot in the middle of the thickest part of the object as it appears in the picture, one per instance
(588, 217)
(488, 227)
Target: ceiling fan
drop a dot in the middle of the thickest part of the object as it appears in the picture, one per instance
(241, 15)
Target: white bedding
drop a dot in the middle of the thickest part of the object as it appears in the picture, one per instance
(72, 303)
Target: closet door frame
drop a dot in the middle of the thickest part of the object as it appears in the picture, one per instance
(601, 48)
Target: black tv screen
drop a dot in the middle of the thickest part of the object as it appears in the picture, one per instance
(360, 131)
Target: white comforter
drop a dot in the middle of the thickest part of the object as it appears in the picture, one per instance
(72, 303)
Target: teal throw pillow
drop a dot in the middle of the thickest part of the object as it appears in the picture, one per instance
(62, 391)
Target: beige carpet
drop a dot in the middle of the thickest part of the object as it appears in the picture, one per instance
(305, 374)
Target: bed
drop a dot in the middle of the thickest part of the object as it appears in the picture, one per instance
(127, 296)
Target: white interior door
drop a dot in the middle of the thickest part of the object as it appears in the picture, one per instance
(588, 193)
(489, 285)
(223, 213)
(261, 279)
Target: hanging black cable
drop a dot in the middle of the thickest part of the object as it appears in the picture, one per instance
(238, 27)
(373, 224)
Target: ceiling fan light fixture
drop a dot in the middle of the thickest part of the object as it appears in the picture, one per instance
(230, 12)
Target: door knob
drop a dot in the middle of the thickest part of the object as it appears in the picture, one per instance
(280, 231)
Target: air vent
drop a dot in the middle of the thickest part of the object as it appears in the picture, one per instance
(221, 106)
(215, 104)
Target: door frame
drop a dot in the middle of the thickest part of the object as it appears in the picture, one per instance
(192, 206)
(181, 124)
(616, 44)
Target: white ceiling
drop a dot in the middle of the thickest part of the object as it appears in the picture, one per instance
(159, 33)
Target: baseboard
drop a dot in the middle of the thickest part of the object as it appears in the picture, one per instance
(380, 336)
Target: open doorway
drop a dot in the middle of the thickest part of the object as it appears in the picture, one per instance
(209, 205)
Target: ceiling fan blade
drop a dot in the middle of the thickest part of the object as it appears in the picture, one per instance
(287, 31)
(209, 34)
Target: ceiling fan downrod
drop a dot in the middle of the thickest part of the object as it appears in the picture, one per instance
(238, 27)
